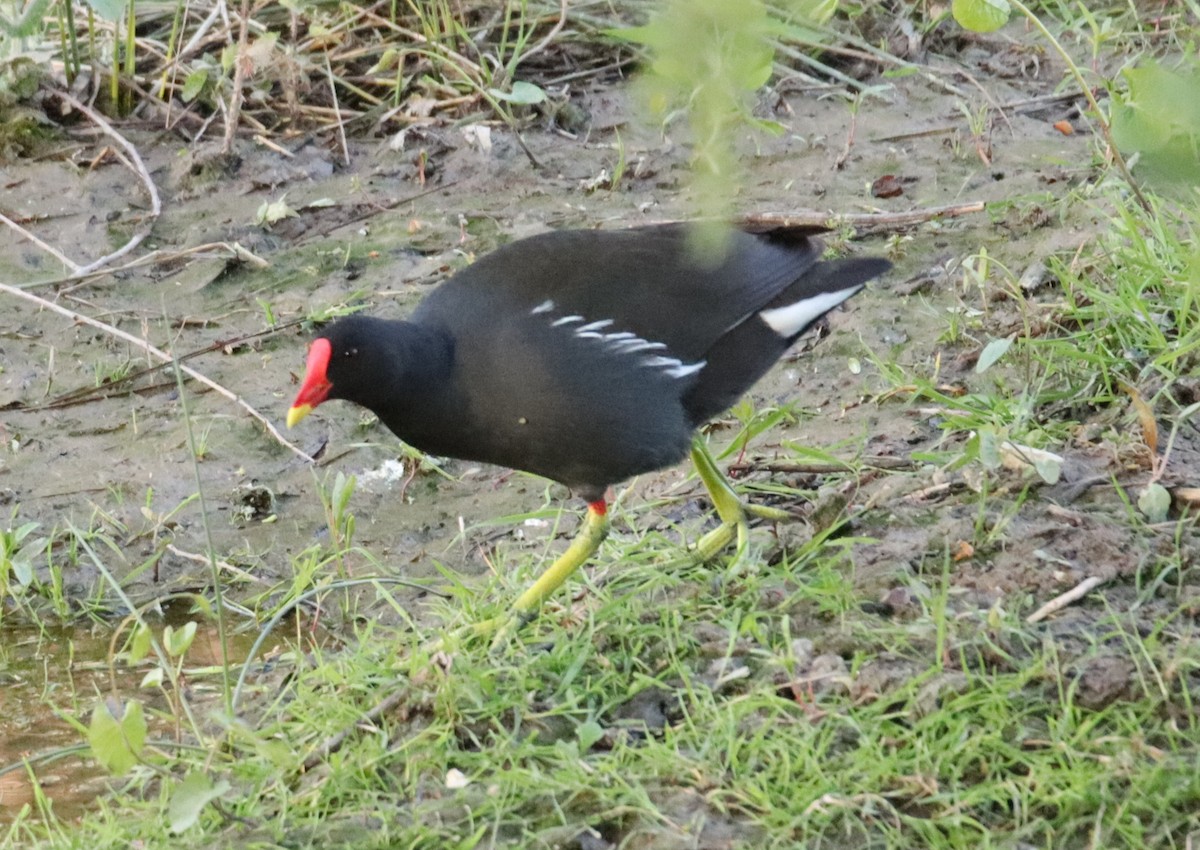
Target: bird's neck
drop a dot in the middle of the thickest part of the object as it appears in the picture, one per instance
(417, 401)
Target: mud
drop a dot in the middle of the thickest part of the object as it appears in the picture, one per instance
(118, 464)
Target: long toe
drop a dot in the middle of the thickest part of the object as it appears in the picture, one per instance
(733, 511)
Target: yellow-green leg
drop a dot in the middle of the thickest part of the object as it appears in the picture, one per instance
(585, 544)
(732, 511)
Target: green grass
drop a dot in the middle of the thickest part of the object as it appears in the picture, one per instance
(768, 703)
(653, 718)
(774, 702)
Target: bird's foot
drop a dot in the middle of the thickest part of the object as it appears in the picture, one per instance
(525, 608)
(500, 629)
(735, 513)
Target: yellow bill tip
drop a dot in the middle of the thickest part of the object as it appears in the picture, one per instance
(297, 412)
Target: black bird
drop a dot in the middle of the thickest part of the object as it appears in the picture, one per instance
(587, 357)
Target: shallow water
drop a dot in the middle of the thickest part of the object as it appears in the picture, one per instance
(52, 678)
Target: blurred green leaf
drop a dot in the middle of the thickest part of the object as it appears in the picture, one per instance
(177, 641)
(588, 734)
(139, 645)
(1159, 119)
(981, 15)
(110, 10)
(1155, 502)
(522, 93)
(190, 797)
(117, 734)
(992, 352)
(194, 84)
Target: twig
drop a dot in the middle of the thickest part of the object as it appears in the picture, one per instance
(45, 246)
(133, 160)
(125, 145)
(115, 388)
(156, 352)
(81, 280)
(1062, 601)
(901, 464)
(860, 221)
(334, 742)
(340, 123)
(554, 31)
(850, 131)
(239, 80)
(201, 33)
(203, 559)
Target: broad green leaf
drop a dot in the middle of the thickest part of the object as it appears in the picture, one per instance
(989, 449)
(1159, 118)
(139, 645)
(193, 85)
(992, 352)
(1154, 501)
(981, 15)
(588, 734)
(191, 795)
(1048, 467)
(177, 641)
(117, 734)
(110, 10)
(22, 569)
(522, 93)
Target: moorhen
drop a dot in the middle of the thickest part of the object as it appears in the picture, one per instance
(587, 357)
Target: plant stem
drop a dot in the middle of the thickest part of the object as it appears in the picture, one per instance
(1105, 128)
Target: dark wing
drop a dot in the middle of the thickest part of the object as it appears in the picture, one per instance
(582, 407)
(644, 281)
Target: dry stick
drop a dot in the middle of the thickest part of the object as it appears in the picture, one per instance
(49, 249)
(899, 464)
(122, 385)
(864, 221)
(334, 742)
(239, 253)
(239, 79)
(1073, 595)
(545, 42)
(224, 565)
(200, 34)
(156, 352)
(341, 124)
(845, 154)
(139, 168)
(1032, 104)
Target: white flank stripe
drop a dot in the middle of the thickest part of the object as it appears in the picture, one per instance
(789, 320)
(684, 371)
(594, 326)
(629, 346)
(674, 367)
(624, 342)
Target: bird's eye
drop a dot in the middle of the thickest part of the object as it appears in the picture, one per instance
(351, 352)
